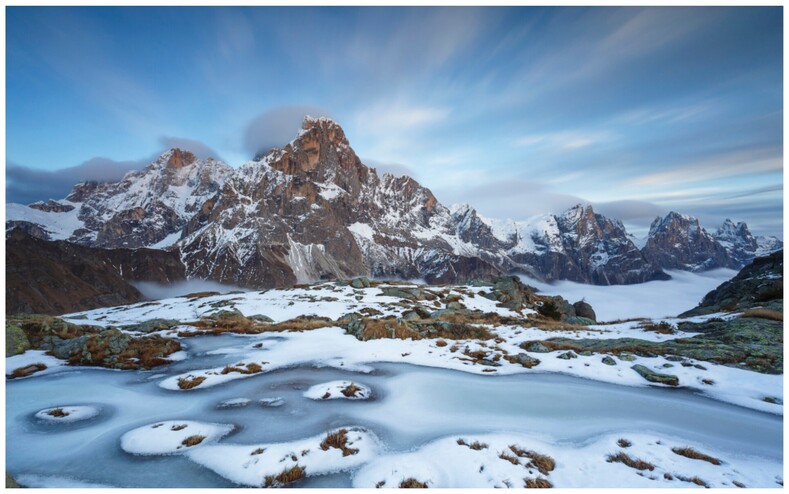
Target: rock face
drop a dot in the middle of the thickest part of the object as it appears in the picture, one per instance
(313, 211)
(679, 242)
(741, 246)
(761, 283)
(59, 277)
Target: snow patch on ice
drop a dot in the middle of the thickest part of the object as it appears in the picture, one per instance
(171, 436)
(337, 389)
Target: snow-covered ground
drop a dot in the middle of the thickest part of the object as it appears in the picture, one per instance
(262, 408)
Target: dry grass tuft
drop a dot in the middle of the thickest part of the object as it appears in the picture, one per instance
(624, 443)
(251, 368)
(637, 463)
(661, 328)
(338, 440)
(441, 343)
(192, 441)
(509, 458)
(58, 412)
(543, 463)
(773, 315)
(27, 371)
(187, 383)
(412, 483)
(287, 476)
(258, 451)
(178, 427)
(693, 480)
(538, 483)
(695, 455)
(351, 390)
(738, 484)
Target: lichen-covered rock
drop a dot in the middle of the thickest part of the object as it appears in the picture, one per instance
(152, 325)
(656, 377)
(360, 283)
(567, 356)
(580, 321)
(607, 360)
(524, 360)
(15, 340)
(410, 293)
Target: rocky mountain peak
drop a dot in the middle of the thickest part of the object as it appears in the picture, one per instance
(178, 158)
(677, 241)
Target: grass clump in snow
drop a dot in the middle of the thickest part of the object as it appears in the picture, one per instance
(412, 483)
(693, 480)
(624, 443)
(179, 427)
(251, 368)
(538, 483)
(636, 463)
(58, 412)
(689, 452)
(661, 328)
(507, 457)
(190, 382)
(257, 452)
(287, 476)
(773, 315)
(338, 440)
(351, 390)
(543, 463)
(476, 445)
(192, 441)
(27, 370)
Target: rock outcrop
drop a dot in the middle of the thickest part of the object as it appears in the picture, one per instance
(60, 277)
(679, 242)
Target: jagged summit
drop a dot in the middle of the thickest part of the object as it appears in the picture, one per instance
(312, 210)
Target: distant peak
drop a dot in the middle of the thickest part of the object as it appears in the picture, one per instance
(177, 158)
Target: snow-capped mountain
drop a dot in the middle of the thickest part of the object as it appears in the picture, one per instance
(313, 210)
(743, 247)
(678, 241)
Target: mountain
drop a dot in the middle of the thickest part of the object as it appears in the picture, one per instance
(312, 210)
(741, 246)
(59, 277)
(678, 241)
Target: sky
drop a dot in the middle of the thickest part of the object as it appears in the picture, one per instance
(517, 111)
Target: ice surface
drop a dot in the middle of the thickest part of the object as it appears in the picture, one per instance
(67, 413)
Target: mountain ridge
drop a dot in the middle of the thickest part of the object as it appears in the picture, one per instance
(312, 210)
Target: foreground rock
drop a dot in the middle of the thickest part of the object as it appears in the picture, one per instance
(93, 345)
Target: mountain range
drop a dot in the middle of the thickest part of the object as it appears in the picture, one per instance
(312, 210)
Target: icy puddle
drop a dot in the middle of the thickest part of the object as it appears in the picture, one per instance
(413, 416)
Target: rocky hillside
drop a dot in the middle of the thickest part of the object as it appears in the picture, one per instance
(759, 284)
(313, 210)
(59, 277)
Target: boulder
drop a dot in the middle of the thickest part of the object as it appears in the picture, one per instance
(583, 309)
(15, 340)
(360, 283)
(567, 355)
(656, 377)
(607, 360)
(524, 360)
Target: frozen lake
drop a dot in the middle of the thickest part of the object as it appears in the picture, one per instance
(410, 406)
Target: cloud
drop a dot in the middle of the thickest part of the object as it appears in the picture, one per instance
(629, 210)
(199, 149)
(396, 169)
(565, 140)
(276, 127)
(25, 185)
(513, 199)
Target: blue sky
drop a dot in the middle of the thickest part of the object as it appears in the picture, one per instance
(517, 111)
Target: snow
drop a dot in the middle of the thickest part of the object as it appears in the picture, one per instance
(362, 230)
(167, 241)
(273, 402)
(249, 466)
(234, 403)
(57, 482)
(60, 226)
(168, 437)
(445, 463)
(73, 413)
(31, 357)
(654, 299)
(330, 191)
(334, 390)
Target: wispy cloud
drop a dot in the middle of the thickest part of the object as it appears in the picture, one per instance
(565, 140)
(200, 149)
(276, 127)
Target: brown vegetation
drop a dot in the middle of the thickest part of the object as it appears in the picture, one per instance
(509, 458)
(338, 440)
(412, 483)
(624, 443)
(538, 483)
(192, 441)
(695, 455)
(351, 390)
(187, 383)
(476, 445)
(285, 477)
(251, 368)
(773, 315)
(693, 480)
(178, 427)
(58, 412)
(661, 328)
(27, 371)
(636, 463)
(257, 452)
(441, 343)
